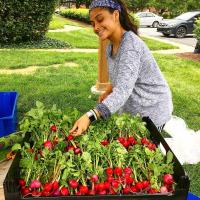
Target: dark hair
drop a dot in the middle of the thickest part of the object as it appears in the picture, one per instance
(125, 18)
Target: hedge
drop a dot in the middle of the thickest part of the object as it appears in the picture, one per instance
(24, 20)
(83, 15)
(197, 30)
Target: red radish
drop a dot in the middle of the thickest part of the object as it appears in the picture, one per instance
(101, 186)
(73, 183)
(121, 139)
(118, 171)
(145, 184)
(35, 184)
(115, 184)
(151, 146)
(48, 145)
(127, 170)
(53, 128)
(22, 182)
(30, 150)
(55, 185)
(163, 189)
(56, 193)
(110, 179)
(96, 187)
(78, 193)
(144, 141)
(109, 171)
(77, 151)
(102, 192)
(45, 193)
(112, 191)
(64, 191)
(168, 179)
(25, 191)
(91, 192)
(126, 190)
(133, 189)
(94, 178)
(47, 187)
(104, 142)
(83, 189)
(35, 193)
(129, 180)
(126, 143)
(106, 185)
(68, 148)
(55, 141)
(70, 137)
(152, 191)
(139, 186)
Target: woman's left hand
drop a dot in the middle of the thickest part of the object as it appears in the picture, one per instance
(80, 126)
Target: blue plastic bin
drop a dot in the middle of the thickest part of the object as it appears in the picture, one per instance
(192, 196)
(8, 113)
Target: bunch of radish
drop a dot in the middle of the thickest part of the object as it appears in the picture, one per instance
(116, 157)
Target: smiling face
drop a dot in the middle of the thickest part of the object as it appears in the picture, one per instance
(104, 23)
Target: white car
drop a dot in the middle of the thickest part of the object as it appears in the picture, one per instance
(149, 19)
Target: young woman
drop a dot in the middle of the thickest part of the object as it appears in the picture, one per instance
(138, 85)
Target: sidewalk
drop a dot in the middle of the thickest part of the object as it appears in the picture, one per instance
(182, 48)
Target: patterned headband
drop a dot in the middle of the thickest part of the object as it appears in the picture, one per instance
(105, 3)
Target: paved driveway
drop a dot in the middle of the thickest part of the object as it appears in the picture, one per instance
(189, 40)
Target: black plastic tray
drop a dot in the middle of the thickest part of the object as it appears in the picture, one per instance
(11, 188)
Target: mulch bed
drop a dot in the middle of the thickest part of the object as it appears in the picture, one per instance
(190, 56)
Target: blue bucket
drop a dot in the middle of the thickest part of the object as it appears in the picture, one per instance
(8, 113)
(192, 197)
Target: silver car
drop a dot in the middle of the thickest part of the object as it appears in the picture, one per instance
(149, 19)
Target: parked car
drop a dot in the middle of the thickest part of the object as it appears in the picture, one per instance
(149, 19)
(179, 26)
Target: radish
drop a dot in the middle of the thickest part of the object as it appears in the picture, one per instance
(145, 184)
(25, 191)
(77, 151)
(121, 139)
(102, 192)
(101, 186)
(83, 189)
(152, 191)
(47, 187)
(168, 179)
(110, 179)
(35, 184)
(109, 171)
(64, 191)
(129, 180)
(118, 171)
(53, 128)
(106, 185)
(105, 142)
(55, 185)
(133, 189)
(163, 189)
(94, 178)
(73, 183)
(127, 170)
(48, 145)
(126, 190)
(115, 184)
(22, 182)
(139, 186)
(70, 137)
(56, 193)
(45, 193)
(91, 192)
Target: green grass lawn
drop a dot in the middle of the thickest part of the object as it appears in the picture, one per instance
(58, 22)
(85, 38)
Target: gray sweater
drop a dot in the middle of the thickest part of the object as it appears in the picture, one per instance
(138, 84)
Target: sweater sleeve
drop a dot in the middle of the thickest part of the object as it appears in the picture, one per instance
(128, 71)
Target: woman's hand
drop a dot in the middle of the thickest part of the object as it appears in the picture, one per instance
(106, 93)
(80, 126)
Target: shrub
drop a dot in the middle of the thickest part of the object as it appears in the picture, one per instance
(197, 30)
(83, 15)
(25, 20)
(78, 14)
